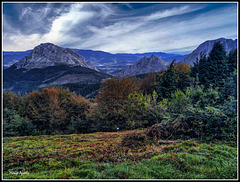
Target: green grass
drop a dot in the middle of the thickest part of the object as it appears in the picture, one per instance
(102, 156)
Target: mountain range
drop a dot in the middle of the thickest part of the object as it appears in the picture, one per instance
(48, 64)
(207, 46)
(103, 61)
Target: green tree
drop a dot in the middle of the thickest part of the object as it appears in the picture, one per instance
(215, 69)
(230, 87)
(232, 60)
(11, 122)
(136, 110)
(167, 82)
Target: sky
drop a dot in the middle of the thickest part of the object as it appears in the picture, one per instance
(117, 27)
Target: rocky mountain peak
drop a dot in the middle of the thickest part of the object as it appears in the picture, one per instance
(48, 54)
(153, 56)
(145, 65)
(207, 46)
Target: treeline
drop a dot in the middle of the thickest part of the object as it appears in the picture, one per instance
(86, 90)
(179, 102)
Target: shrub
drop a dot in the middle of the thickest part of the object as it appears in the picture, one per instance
(179, 102)
(229, 108)
(160, 131)
(136, 111)
(208, 123)
(135, 139)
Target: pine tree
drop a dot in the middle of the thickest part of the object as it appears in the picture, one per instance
(167, 83)
(196, 65)
(232, 61)
(214, 69)
(203, 71)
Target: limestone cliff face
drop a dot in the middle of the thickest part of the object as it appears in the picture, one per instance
(207, 46)
(144, 65)
(48, 54)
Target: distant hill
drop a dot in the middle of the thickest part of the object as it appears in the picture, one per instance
(144, 65)
(23, 80)
(207, 46)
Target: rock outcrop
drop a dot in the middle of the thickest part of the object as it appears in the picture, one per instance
(48, 54)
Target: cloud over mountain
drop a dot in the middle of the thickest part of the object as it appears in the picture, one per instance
(117, 27)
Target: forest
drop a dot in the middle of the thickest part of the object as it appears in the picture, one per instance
(182, 102)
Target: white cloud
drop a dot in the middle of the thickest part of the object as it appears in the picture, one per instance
(142, 36)
(14, 42)
(170, 12)
(91, 26)
(66, 22)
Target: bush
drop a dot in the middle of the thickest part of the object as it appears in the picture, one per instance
(201, 98)
(135, 139)
(209, 123)
(179, 102)
(160, 131)
(229, 108)
(136, 110)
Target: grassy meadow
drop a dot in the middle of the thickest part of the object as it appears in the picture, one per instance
(112, 155)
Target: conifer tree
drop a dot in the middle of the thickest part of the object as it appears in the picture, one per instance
(232, 61)
(214, 69)
(167, 83)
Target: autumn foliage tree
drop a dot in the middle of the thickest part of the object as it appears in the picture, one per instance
(148, 84)
(52, 109)
(182, 71)
(112, 96)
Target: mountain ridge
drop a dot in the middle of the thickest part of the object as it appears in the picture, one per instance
(144, 65)
(206, 47)
(48, 54)
(103, 61)
(23, 80)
